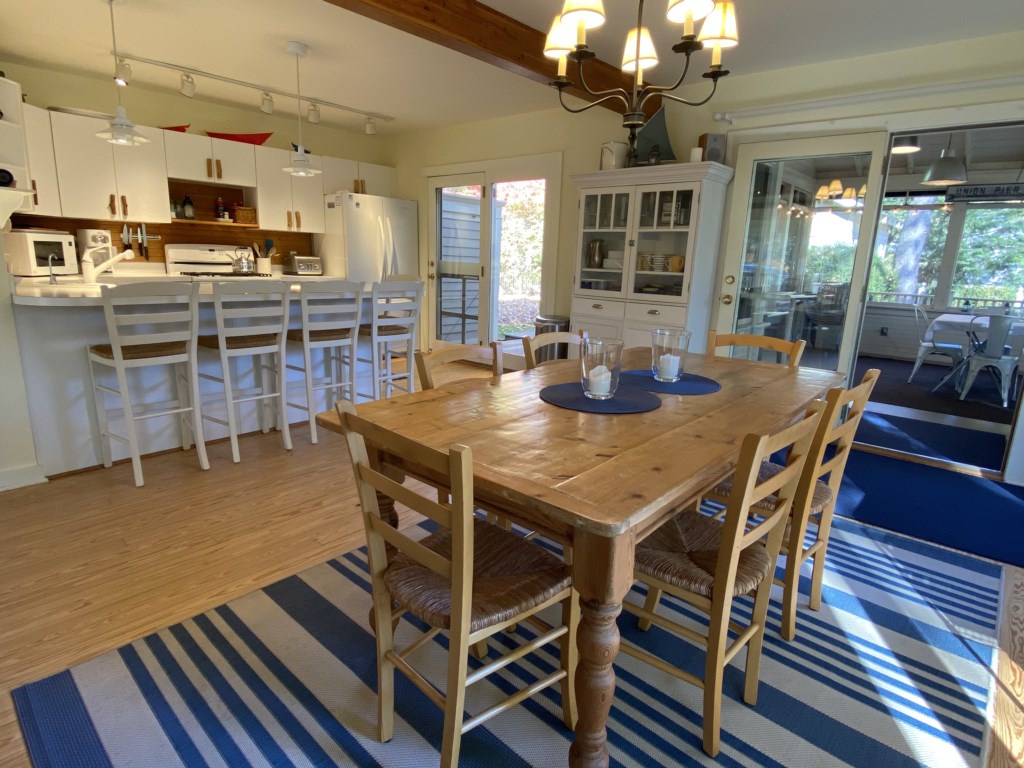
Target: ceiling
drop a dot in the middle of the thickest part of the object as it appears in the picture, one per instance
(376, 69)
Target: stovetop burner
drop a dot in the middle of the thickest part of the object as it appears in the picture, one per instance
(225, 274)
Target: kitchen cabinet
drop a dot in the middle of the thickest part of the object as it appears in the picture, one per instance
(342, 175)
(106, 182)
(216, 161)
(41, 161)
(285, 202)
(13, 150)
(647, 246)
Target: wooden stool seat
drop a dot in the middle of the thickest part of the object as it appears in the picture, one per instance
(238, 342)
(141, 351)
(684, 553)
(383, 330)
(326, 334)
(510, 577)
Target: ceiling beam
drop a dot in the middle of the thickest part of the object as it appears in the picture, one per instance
(477, 30)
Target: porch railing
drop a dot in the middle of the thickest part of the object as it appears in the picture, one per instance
(965, 303)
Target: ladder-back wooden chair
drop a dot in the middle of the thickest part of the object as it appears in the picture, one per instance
(469, 579)
(793, 350)
(707, 563)
(533, 344)
(428, 365)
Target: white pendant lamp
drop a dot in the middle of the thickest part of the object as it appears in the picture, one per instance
(301, 165)
(121, 130)
(947, 170)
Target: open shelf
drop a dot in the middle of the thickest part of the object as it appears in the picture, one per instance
(214, 223)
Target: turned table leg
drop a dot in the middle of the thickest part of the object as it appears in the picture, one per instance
(603, 573)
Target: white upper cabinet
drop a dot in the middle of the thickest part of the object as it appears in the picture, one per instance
(377, 179)
(101, 181)
(41, 162)
(215, 161)
(285, 202)
(13, 151)
(340, 174)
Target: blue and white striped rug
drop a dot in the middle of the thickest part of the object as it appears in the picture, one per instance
(893, 671)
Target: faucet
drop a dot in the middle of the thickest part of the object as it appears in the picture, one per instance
(90, 270)
(49, 264)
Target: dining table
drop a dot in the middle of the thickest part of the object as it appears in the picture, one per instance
(600, 482)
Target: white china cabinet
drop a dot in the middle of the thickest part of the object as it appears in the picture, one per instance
(106, 182)
(13, 150)
(215, 161)
(285, 202)
(646, 252)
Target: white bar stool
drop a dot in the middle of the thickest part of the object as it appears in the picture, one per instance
(149, 324)
(330, 322)
(392, 330)
(252, 321)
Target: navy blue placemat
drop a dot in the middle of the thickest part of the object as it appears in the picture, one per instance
(689, 384)
(626, 399)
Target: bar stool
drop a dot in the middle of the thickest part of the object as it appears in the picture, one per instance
(330, 322)
(252, 321)
(392, 330)
(149, 324)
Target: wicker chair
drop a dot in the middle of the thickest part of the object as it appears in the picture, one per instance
(793, 350)
(707, 563)
(469, 579)
(815, 501)
(429, 364)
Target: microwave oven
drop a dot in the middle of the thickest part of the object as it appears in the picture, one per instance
(30, 253)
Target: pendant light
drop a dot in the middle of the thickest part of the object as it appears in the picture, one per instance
(300, 163)
(946, 170)
(121, 130)
(905, 145)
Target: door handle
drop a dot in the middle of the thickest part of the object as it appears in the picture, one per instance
(209, 167)
(289, 219)
(597, 306)
(430, 275)
(124, 205)
(220, 174)
(112, 205)
(653, 311)
(298, 220)
(727, 299)
(35, 193)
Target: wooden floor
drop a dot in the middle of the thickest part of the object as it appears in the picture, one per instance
(89, 562)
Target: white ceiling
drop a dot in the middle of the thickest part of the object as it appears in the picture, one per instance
(373, 68)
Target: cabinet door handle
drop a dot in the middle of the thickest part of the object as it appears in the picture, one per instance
(298, 219)
(597, 306)
(209, 167)
(124, 204)
(112, 205)
(220, 172)
(289, 219)
(362, 186)
(653, 311)
(35, 193)
(355, 186)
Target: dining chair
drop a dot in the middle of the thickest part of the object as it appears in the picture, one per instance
(392, 331)
(793, 350)
(815, 501)
(532, 345)
(930, 347)
(252, 321)
(428, 365)
(707, 563)
(992, 355)
(148, 324)
(468, 579)
(330, 324)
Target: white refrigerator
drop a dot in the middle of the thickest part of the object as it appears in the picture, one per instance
(368, 238)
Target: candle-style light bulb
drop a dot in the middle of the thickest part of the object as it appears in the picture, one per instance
(562, 63)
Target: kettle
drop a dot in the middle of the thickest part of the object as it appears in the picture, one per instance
(613, 155)
(243, 262)
(595, 254)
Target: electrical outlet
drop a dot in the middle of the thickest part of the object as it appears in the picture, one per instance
(884, 330)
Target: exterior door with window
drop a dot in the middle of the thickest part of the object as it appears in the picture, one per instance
(458, 296)
(799, 242)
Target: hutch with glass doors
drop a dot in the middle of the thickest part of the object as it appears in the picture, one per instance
(646, 251)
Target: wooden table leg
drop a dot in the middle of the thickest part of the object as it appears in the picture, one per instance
(603, 574)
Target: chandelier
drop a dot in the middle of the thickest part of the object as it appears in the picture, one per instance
(567, 41)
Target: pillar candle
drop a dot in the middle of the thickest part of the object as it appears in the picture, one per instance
(668, 366)
(599, 382)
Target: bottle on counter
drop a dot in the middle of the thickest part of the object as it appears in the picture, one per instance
(219, 210)
(174, 209)
(188, 208)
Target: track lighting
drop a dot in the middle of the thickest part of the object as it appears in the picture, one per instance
(267, 103)
(122, 73)
(314, 114)
(370, 128)
(188, 85)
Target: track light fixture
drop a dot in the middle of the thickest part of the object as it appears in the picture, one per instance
(122, 73)
(188, 85)
(370, 127)
(313, 115)
(267, 103)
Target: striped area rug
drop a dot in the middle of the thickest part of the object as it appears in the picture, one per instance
(893, 671)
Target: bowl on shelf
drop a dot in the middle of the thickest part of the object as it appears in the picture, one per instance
(245, 138)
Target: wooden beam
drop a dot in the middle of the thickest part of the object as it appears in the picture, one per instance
(479, 31)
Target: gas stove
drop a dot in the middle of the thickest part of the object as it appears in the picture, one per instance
(208, 262)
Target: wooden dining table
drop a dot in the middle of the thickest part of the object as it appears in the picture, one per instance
(600, 482)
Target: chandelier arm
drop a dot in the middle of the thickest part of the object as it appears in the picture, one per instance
(567, 108)
(622, 93)
(688, 103)
(662, 89)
